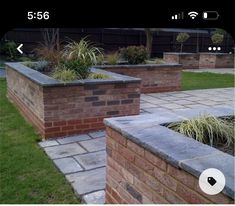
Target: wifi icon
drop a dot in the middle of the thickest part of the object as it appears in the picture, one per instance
(192, 14)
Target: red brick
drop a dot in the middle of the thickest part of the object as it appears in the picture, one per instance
(143, 188)
(182, 176)
(116, 196)
(116, 136)
(144, 164)
(66, 128)
(190, 196)
(155, 160)
(74, 122)
(136, 148)
(60, 123)
(48, 124)
(126, 153)
(165, 179)
(172, 197)
(90, 120)
(52, 129)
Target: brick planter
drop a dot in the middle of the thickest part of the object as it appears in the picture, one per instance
(150, 164)
(188, 60)
(154, 77)
(216, 60)
(57, 109)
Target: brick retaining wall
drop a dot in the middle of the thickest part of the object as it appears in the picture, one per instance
(188, 60)
(151, 164)
(154, 78)
(59, 110)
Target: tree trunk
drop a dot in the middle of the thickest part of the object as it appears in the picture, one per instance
(181, 47)
(149, 40)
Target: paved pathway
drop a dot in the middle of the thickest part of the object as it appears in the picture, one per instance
(217, 71)
(81, 158)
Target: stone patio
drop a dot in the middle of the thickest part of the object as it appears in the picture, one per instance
(82, 158)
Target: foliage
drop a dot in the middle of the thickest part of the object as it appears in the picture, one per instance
(100, 59)
(98, 76)
(112, 58)
(83, 51)
(134, 54)
(82, 68)
(64, 74)
(219, 31)
(80, 56)
(207, 129)
(9, 49)
(48, 54)
(156, 61)
(39, 66)
(181, 38)
(217, 38)
(27, 175)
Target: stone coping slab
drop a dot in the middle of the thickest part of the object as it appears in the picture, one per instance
(47, 81)
(143, 66)
(177, 149)
(180, 53)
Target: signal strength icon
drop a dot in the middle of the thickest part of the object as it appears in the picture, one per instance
(192, 14)
(178, 16)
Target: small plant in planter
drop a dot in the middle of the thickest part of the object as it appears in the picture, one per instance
(207, 129)
(217, 38)
(112, 58)
(181, 38)
(134, 54)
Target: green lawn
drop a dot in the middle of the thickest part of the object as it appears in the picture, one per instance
(205, 80)
(26, 174)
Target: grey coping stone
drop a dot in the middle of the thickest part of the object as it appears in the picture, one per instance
(175, 148)
(94, 144)
(142, 66)
(47, 81)
(97, 134)
(223, 162)
(68, 165)
(92, 160)
(97, 197)
(48, 143)
(168, 144)
(75, 138)
(64, 150)
(143, 120)
(87, 181)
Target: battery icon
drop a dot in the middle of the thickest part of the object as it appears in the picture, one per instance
(210, 15)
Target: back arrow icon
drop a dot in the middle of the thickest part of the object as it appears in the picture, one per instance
(19, 48)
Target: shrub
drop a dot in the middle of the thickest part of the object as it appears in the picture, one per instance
(112, 58)
(100, 59)
(39, 66)
(134, 54)
(81, 68)
(50, 55)
(98, 76)
(63, 74)
(217, 38)
(181, 38)
(9, 49)
(207, 129)
(80, 56)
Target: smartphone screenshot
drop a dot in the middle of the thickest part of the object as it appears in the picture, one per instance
(117, 106)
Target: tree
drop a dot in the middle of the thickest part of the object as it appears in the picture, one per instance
(149, 39)
(181, 38)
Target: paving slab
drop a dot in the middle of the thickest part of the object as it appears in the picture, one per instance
(48, 143)
(87, 181)
(61, 151)
(94, 144)
(97, 134)
(75, 138)
(92, 160)
(67, 165)
(97, 197)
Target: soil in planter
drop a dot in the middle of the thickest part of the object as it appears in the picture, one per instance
(220, 145)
